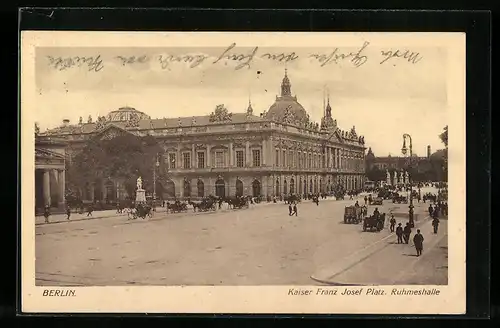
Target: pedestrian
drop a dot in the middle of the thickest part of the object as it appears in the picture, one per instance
(46, 213)
(399, 233)
(435, 225)
(290, 209)
(393, 223)
(357, 204)
(90, 209)
(366, 200)
(294, 209)
(418, 241)
(431, 210)
(407, 233)
(68, 212)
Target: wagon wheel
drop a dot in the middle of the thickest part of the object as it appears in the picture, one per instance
(364, 226)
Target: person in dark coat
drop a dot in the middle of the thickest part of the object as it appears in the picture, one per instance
(294, 209)
(407, 233)
(90, 209)
(357, 204)
(366, 200)
(68, 212)
(435, 225)
(290, 209)
(431, 210)
(392, 222)
(418, 241)
(46, 213)
(399, 233)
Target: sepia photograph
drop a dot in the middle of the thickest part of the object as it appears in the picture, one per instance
(309, 167)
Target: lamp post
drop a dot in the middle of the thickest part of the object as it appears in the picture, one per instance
(157, 164)
(404, 150)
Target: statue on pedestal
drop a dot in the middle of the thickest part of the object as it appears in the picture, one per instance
(140, 195)
(407, 177)
(139, 183)
(388, 177)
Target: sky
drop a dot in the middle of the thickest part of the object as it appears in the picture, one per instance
(383, 101)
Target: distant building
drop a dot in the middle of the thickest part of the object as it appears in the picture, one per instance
(224, 154)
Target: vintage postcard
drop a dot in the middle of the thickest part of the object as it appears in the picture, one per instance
(243, 172)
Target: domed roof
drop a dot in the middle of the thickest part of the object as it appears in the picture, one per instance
(286, 108)
(126, 114)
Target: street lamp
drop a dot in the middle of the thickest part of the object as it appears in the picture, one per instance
(404, 151)
(157, 164)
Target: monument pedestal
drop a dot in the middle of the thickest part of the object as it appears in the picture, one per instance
(140, 196)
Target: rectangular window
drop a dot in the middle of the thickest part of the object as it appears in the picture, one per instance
(201, 160)
(256, 157)
(277, 159)
(290, 160)
(171, 161)
(283, 159)
(219, 159)
(240, 158)
(310, 162)
(186, 160)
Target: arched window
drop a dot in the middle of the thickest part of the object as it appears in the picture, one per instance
(256, 188)
(292, 186)
(278, 187)
(239, 187)
(187, 188)
(285, 188)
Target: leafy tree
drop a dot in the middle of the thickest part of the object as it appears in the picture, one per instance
(124, 158)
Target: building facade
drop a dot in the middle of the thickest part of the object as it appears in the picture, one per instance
(278, 152)
(49, 172)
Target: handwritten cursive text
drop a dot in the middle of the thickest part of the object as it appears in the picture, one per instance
(194, 60)
(244, 59)
(93, 63)
(410, 56)
(356, 58)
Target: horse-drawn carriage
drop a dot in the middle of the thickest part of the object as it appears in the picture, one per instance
(375, 221)
(239, 202)
(177, 207)
(400, 199)
(353, 214)
(206, 204)
(140, 211)
(377, 201)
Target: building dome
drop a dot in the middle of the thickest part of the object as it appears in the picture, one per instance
(286, 108)
(126, 114)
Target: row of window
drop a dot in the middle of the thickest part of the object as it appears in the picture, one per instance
(305, 160)
(219, 159)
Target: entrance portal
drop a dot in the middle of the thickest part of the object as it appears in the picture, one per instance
(239, 188)
(256, 188)
(220, 188)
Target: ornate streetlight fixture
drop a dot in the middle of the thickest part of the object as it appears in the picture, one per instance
(404, 151)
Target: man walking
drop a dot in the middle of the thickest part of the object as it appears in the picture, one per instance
(418, 241)
(435, 225)
(399, 233)
(407, 233)
(294, 209)
(290, 210)
(68, 212)
(90, 209)
(393, 223)
(46, 213)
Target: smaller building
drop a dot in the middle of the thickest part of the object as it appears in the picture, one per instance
(50, 172)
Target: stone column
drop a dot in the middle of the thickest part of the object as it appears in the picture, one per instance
(263, 157)
(248, 156)
(231, 155)
(193, 156)
(178, 161)
(209, 157)
(46, 187)
(62, 186)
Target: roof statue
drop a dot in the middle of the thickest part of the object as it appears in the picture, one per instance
(193, 121)
(89, 120)
(353, 134)
(179, 122)
(80, 120)
(220, 114)
(100, 123)
(37, 129)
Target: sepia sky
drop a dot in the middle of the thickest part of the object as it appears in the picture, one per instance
(383, 101)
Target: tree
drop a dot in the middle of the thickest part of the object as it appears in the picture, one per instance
(123, 158)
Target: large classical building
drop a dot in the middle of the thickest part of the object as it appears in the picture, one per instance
(280, 151)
